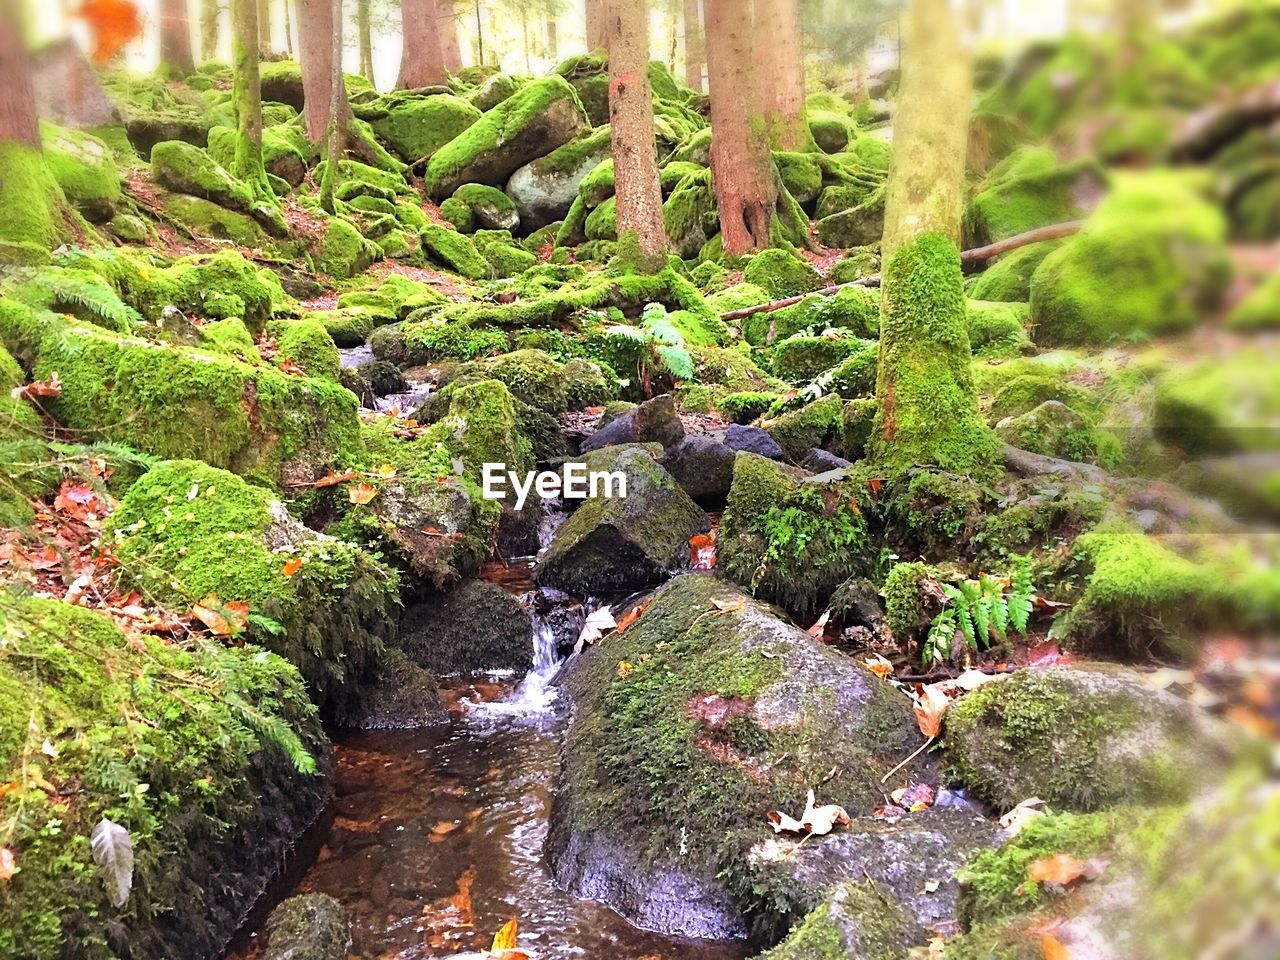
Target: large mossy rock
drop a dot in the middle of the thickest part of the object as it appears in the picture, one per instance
(1150, 260)
(619, 543)
(400, 696)
(187, 169)
(211, 757)
(544, 189)
(1222, 405)
(85, 170)
(1030, 189)
(416, 127)
(179, 402)
(477, 627)
(1081, 739)
(654, 421)
(311, 926)
(189, 532)
(723, 713)
(536, 119)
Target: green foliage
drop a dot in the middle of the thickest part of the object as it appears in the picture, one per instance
(81, 293)
(983, 610)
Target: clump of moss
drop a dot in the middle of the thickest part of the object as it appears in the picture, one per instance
(799, 359)
(1008, 280)
(343, 252)
(38, 217)
(1261, 309)
(1220, 406)
(904, 599)
(997, 329)
(781, 273)
(858, 919)
(455, 251)
(85, 170)
(745, 406)
(307, 343)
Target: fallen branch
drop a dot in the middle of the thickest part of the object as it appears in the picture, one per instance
(1038, 465)
(976, 255)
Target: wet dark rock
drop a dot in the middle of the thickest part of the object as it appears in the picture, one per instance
(312, 926)
(752, 440)
(382, 377)
(410, 507)
(822, 461)
(476, 627)
(857, 602)
(671, 766)
(401, 696)
(613, 544)
(654, 420)
(518, 529)
(702, 466)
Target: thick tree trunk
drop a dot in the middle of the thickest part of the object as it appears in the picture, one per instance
(316, 30)
(422, 61)
(175, 36)
(264, 28)
(742, 170)
(635, 159)
(209, 12)
(926, 404)
(18, 123)
(925, 192)
(364, 34)
(246, 95)
(451, 50)
(338, 110)
(694, 50)
(597, 26)
(781, 50)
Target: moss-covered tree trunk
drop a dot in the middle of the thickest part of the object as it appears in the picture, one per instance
(246, 97)
(422, 61)
(175, 36)
(694, 49)
(264, 28)
(781, 49)
(597, 28)
(635, 158)
(339, 110)
(742, 170)
(209, 22)
(926, 404)
(364, 36)
(925, 192)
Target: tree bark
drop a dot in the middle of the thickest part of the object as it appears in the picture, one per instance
(338, 110)
(264, 28)
(246, 96)
(597, 26)
(422, 60)
(449, 46)
(694, 50)
(288, 29)
(552, 39)
(742, 170)
(635, 159)
(209, 11)
(364, 34)
(175, 36)
(925, 191)
(316, 29)
(782, 53)
(18, 122)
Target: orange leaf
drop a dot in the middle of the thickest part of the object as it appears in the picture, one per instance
(114, 24)
(332, 479)
(8, 864)
(931, 704)
(631, 616)
(361, 493)
(1054, 949)
(223, 619)
(874, 484)
(1060, 869)
(624, 669)
(292, 566)
(702, 551)
(39, 388)
(505, 939)
(288, 366)
(726, 606)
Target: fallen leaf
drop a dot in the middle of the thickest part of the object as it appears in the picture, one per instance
(289, 366)
(972, 679)
(878, 665)
(597, 624)
(223, 618)
(727, 606)
(292, 566)
(930, 707)
(1054, 949)
(820, 625)
(39, 388)
(918, 796)
(8, 864)
(1061, 870)
(361, 493)
(332, 479)
(702, 551)
(1022, 814)
(937, 947)
(815, 820)
(631, 616)
(624, 669)
(505, 939)
(384, 471)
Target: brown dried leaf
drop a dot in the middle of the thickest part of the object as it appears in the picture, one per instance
(224, 619)
(361, 493)
(930, 707)
(1061, 869)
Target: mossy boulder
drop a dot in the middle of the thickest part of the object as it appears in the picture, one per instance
(205, 219)
(491, 208)
(545, 188)
(85, 170)
(1030, 189)
(506, 257)
(416, 127)
(1008, 279)
(654, 421)
(1221, 406)
(1150, 260)
(458, 214)
(189, 531)
(616, 543)
(343, 252)
(781, 273)
(474, 628)
(1260, 310)
(1081, 739)
(997, 329)
(690, 214)
(539, 117)
(307, 343)
(799, 359)
(183, 402)
(188, 169)
(400, 696)
(455, 251)
(1052, 429)
(858, 921)
(310, 926)
(226, 735)
(857, 226)
(673, 762)
(831, 131)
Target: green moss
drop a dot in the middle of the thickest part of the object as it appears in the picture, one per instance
(997, 329)
(188, 169)
(1009, 278)
(602, 222)
(343, 252)
(744, 406)
(800, 430)
(782, 274)
(307, 343)
(80, 294)
(1150, 260)
(455, 251)
(349, 326)
(904, 600)
(85, 170)
(856, 264)
(1220, 406)
(37, 212)
(492, 208)
(855, 375)
(229, 336)
(858, 919)
(928, 411)
(830, 130)
(506, 257)
(174, 743)
(416, 127)
(1261, 309)
(1029, 189)
(800, 359)
(856, 227)
(206, 219)
(457, 213)
(358, 178)
(690, 214)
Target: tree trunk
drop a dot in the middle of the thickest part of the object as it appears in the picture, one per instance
(18, 123)
(552, 39)
(694, 51)
(925, 192)
(246, 96)
(742, 170)
(635, 160)
(338, 109)
(479, 36)
(175, 36)
(926, 404)
(264, 28)
(316, 30)
(447, 15)
(524, 39)
(288, 29)
(364, 34)
(782, 56)
(209, 11)
(597, 26)
(422, 59)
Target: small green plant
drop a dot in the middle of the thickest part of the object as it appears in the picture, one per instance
(982, 608)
